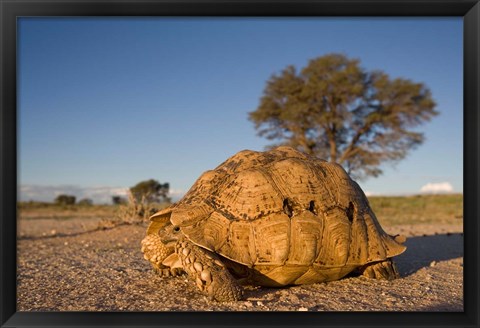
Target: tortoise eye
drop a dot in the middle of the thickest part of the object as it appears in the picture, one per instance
(176, 229)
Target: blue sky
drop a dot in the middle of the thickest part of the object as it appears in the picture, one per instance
(107, 102)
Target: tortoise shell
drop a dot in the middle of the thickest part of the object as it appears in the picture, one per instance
(290, 217)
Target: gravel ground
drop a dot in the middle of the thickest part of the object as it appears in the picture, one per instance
(63, 268)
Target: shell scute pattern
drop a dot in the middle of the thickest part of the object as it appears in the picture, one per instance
(331, 225)
(288, 217)
(247, 195)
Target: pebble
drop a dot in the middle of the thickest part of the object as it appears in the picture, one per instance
(432, 264)
(303, 309)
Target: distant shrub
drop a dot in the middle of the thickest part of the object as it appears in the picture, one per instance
(85, 202)
(140, 210)
(65, 200)
(136, 211)
(118, 200)
(150, 191)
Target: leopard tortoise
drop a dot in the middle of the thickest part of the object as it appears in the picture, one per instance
(271, 218)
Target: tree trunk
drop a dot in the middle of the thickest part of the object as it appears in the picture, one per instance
(331, 131)
(333, 150)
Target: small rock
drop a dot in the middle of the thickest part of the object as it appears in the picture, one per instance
(248, 304)
(260, 303)
(303, 309)
(432, 264)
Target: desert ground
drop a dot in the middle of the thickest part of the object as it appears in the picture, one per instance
(75, 260)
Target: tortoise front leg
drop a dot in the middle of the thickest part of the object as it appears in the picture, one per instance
(155, 251)
(381, 270)
(209, 273)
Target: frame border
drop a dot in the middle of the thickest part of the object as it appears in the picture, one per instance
(11, 9)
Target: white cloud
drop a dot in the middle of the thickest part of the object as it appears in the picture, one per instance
(176, 194)
(436, 188)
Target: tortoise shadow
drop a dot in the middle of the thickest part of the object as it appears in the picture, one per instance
(423, 250)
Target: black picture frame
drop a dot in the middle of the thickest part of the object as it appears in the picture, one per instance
(10, 10)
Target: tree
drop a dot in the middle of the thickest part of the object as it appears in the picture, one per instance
(336, 110)
(85, 202)
(150, 191)
(118, 200)
(65, 200)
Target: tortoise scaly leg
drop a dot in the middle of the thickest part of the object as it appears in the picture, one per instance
(381, 270)
(208, 272)
(155, 251)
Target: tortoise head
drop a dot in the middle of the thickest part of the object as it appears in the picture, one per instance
(158, 246)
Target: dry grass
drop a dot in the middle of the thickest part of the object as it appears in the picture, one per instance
(41, 210)
(390, 211)
(418, 209)
(135, 211)
(108, 216)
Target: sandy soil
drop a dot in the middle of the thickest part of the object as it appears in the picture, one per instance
(63, 268)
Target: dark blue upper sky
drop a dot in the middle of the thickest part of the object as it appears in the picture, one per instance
(108, 102)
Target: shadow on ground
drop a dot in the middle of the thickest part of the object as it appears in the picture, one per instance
(423, 250)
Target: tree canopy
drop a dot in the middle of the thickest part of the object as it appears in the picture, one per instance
(151, 191)
(118, 200)
(65, 199)
(85, 202)
(336, 110)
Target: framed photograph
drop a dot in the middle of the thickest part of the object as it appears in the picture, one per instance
(239, 163)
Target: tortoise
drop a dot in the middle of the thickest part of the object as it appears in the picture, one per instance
(272, 218)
